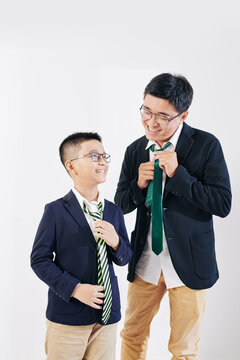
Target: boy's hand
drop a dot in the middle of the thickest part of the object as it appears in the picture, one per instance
(89, 294)
(107, 232)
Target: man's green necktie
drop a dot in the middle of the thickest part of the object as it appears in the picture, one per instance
(103, 268)
(154, 200)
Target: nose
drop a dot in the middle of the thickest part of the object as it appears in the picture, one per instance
(101, 161)
(153, 120)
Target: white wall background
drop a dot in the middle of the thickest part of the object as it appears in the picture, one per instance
(72, 65)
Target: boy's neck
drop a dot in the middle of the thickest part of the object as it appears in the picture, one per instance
(91, 194)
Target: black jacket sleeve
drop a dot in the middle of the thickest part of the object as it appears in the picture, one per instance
(128, 195)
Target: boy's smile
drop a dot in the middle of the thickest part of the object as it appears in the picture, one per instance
(84, 170)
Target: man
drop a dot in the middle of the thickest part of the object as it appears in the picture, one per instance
(176, 178)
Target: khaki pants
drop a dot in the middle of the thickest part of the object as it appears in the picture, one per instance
(186, 309)
(90, 342)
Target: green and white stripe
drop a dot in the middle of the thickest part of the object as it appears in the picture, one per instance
(102, 262)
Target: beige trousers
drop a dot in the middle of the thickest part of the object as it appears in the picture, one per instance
(90, 342)
(186, 312)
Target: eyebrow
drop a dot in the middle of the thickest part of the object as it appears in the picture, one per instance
(160, 112)
(94, 150)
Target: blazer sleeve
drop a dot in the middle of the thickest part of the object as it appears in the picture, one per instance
(128, 195)
(124, 253)
(212, 193)
(42, 258)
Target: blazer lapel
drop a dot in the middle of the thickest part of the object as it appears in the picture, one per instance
(107, 213)
(72, 205)
(184, 145)
(143, 153)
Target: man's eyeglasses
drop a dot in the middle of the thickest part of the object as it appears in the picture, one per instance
(159, 118)
(95, 157)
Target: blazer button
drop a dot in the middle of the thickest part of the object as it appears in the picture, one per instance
(120, 258)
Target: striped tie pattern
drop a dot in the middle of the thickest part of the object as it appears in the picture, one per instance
(102, 261)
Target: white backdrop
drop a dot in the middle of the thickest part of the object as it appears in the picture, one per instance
(69, 66)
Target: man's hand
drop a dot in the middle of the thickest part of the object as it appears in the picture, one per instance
(89, 294)
(107, 232)
(145, 174)
(167, 160)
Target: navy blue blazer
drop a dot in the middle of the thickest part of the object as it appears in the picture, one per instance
(65, 253)
(199, 189)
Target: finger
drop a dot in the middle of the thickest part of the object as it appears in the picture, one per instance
(100, 295)
(147, 176)
(146, 173)
(99, 229)
(148, 167)
(95, 306)
(102, 227)
(98, 301)
(99, 288)
(101, 236)
(98, 235)
(163, 156)
(98, 225)
(163, 152)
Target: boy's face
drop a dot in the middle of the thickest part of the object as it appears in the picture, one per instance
(86, 171)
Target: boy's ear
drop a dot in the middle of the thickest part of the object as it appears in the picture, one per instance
(68, 165)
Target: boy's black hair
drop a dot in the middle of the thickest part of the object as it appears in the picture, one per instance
(174, 88)
(76, 139)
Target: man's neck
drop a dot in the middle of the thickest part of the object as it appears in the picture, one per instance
(161, 142)
(89, 193)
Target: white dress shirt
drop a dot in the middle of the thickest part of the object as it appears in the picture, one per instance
(150, 265)
(92, 206)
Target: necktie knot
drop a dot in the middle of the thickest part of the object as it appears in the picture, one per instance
(162, 149)
(96, 215)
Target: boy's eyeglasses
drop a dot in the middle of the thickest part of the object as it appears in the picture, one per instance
(95, 157)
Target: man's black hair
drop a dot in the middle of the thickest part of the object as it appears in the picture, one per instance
(174, 88)
(76, 139)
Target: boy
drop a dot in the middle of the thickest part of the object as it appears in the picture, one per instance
(78, 238)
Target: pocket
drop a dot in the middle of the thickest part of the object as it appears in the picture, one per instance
(203, 254)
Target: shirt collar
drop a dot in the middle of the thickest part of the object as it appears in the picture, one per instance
(173, 140)
(80, 199)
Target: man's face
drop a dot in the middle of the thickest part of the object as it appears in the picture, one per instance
(86, 171)
(157, 131)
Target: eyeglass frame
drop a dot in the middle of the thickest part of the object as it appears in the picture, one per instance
(92, 153)
(166, 120)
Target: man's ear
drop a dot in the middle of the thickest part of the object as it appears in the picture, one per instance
(184, 115)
